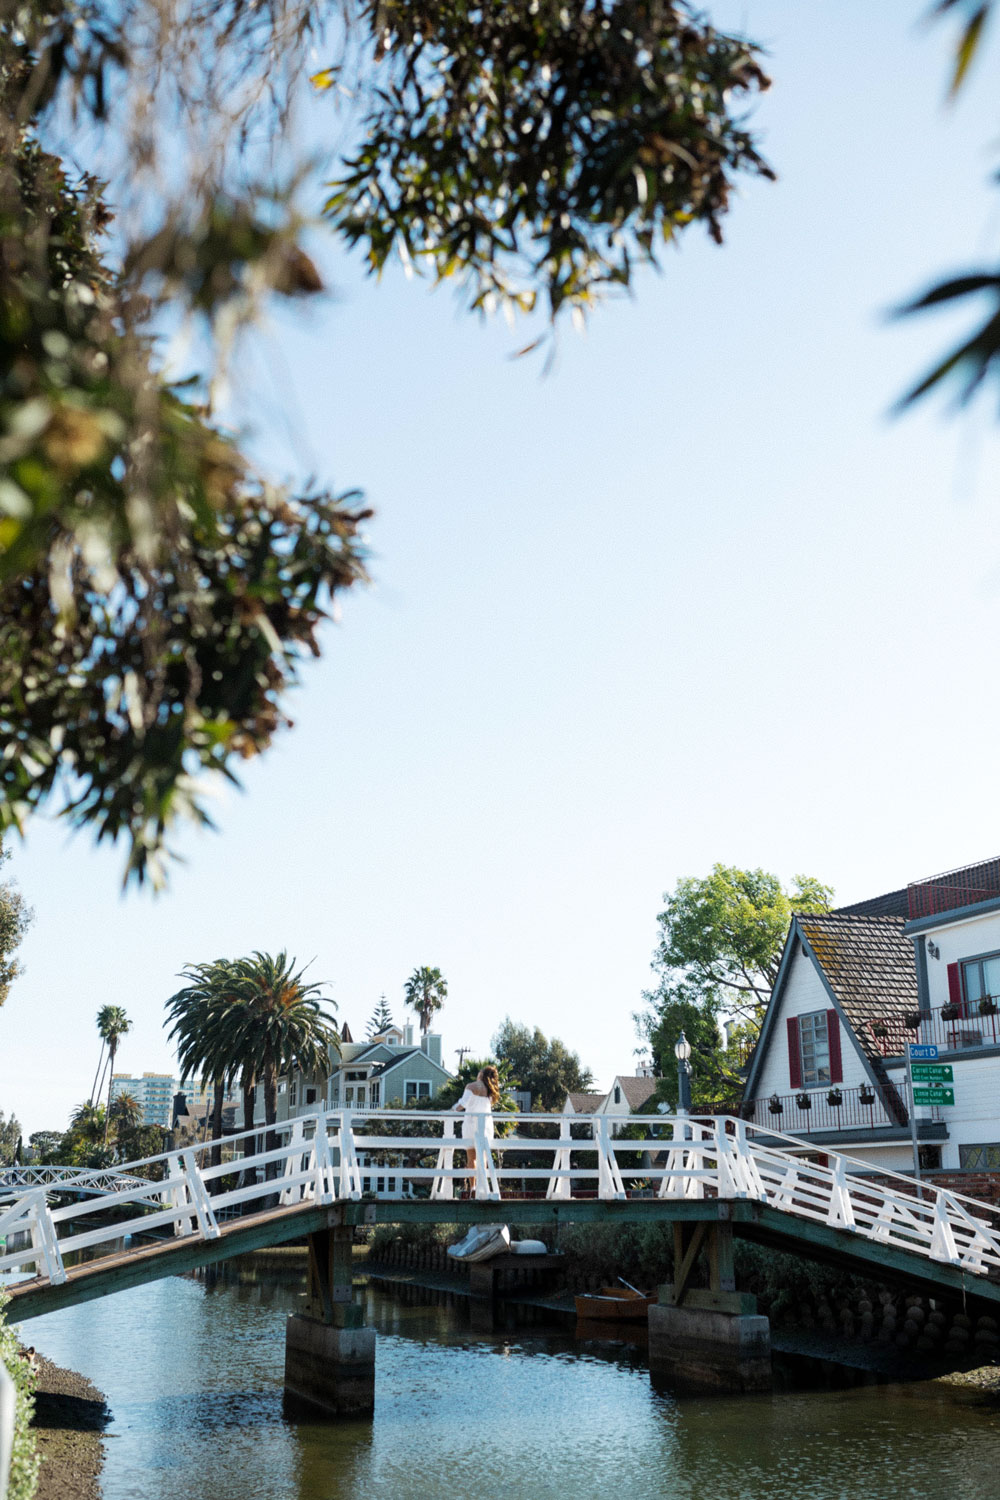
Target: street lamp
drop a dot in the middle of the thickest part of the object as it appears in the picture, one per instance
(682, 1052)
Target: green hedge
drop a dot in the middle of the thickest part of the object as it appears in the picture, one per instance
(24, 1459)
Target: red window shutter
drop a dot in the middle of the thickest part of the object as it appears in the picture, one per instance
(794, 1053)
(955, 988)
(833, 1038)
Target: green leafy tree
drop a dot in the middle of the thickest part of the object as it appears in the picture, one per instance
(450, 1093)
(547, 1069)
(158, 594)
(425, 992)
(15, 919)
(10, 1138)
(721, 940)
(44, 1146)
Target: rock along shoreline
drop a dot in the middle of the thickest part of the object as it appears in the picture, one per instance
(70, 1417)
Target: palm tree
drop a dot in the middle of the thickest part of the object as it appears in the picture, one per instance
(198, 1012)
(251, 1018)
(277, 1024)
(425, 991)
(112, 1025)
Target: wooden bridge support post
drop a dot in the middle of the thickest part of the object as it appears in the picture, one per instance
(709, 1338)
(329, 1354)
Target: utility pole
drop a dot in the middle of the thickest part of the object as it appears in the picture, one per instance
(461, 1055)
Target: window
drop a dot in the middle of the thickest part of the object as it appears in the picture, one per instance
(310, 1096)
(814, 1042)
(985, 1158)
(981, 979)
(416, 1090)
(292, 1092)
(930, 1158)
(373, 1094)
(618, 1094)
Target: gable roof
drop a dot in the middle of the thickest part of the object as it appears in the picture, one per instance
(400, 1055)
(636, 1090)
(868, 965)
(586, 1103)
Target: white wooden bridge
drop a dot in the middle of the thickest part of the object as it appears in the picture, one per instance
(326, 1169)
(87, 1180)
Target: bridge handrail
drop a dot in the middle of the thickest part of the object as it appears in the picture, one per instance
(321, 1156)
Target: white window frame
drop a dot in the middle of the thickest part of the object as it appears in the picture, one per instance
(819, 1075)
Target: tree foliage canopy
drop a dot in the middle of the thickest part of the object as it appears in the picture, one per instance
(547, 1069)
(16, 917)
(721, 939)
(543, 149)
(158, 594)
(425, 991)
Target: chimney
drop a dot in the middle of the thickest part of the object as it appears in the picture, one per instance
(430, 1043)
(408, 1034)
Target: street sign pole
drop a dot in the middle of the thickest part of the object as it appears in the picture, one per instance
(913, 1120)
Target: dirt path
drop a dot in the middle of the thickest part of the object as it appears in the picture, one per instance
(70, 1415)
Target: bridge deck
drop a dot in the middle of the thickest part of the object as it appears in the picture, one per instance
(758, 1222)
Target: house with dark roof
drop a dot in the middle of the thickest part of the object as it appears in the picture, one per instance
(629, 1094)
(856, 988)
(386, 1069)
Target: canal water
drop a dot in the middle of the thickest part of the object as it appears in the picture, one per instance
(192, 1372)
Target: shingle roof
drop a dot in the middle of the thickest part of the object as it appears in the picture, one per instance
(869, 966)
(585, 1104)
(892, 904)
(637, 1090)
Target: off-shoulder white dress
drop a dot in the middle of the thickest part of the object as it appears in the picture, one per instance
(475, 1104)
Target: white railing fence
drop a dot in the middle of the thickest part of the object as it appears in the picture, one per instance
(70, 1179)
(337, 1155)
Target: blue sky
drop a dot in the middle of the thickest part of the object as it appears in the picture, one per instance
(694, 596)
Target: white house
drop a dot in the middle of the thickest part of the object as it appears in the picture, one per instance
(629, 1094)
(855, 987)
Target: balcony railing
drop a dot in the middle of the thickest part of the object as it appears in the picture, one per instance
(951, 1028)
(865, 1107)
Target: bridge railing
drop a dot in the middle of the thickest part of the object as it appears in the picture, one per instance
(330, 1156)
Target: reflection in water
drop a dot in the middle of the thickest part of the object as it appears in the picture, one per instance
(192, 1371)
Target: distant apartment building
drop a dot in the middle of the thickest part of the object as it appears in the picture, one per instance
(154, 1093)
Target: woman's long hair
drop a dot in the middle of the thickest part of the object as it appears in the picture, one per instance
(491, 1078)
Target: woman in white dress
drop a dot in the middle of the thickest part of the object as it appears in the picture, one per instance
(480, 1098)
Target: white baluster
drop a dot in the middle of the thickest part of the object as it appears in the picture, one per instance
(444, 1187)
(199, 1197)
(45, 1240)
(322, 1164)
(293, 1165)
(840, 1212)
(943, 1245)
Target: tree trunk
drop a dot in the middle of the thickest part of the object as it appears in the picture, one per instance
(112, 1049)
(249, 1175)
(270, 1116)
(215, 1158)
(97, 1075)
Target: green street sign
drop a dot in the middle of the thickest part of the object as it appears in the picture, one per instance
(934, 1096)
(932, 1073)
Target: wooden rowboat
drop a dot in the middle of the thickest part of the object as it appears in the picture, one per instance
(615, 1304)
